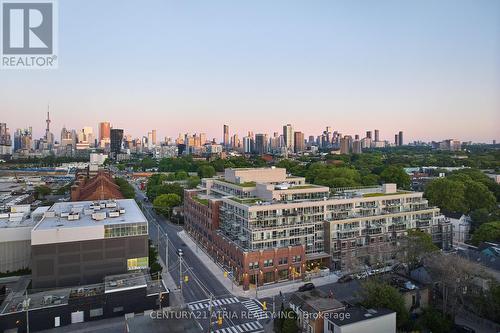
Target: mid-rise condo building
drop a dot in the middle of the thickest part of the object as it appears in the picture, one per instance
(265, 225)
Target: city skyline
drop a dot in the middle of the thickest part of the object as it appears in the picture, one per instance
(344, 65)
(40, 132)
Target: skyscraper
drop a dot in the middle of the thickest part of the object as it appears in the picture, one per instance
(298, 142)
(400, 137)
(261, 146)
(235, 142)
(288, 136)
(104, 131)
(377, 138)
(150, 140)
(5, 142)
(356, 147)
(369, 134)
(153, 137)
(247, 144)
(225, 137)
(116, 140)
(345, 144)
(396, 140)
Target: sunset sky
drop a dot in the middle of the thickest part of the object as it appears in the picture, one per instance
(429, 68)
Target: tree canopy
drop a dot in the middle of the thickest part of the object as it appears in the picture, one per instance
(487, 232)
(378, 294)
(397, 175)
(164, 203)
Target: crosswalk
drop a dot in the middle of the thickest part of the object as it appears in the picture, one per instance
(254, 327)
(204, 304)
(254, 309)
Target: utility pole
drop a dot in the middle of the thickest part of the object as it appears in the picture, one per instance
(158, 236)
(232, 278)
(180, 271)
(256, 283)
(27, 313)
(159, 292)
(166, 252)
(210, 316)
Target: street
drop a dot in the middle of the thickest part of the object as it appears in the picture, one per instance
(244, 315)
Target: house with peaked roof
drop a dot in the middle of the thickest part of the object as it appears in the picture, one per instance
(99, 187)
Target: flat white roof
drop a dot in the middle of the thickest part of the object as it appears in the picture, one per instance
(133, 214)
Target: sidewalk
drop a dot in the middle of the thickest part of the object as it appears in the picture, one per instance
(176, 299)
(263, 291)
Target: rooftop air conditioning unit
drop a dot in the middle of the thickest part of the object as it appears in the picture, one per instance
(114, 214)
(73, 216)
(111, 204)
(49, 213)
(99, 216)
(64, 214)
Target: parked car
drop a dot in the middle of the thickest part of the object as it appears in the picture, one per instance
(307, 287)
(345, 278)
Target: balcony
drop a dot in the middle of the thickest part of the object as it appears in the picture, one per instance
(423, 223)
(372, 231)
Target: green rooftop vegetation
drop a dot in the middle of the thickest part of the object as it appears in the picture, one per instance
(245, 184)
(301, 187)
(247, 201)
(201, 200)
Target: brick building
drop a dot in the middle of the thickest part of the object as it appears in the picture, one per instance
(99, 185)
(265, 226)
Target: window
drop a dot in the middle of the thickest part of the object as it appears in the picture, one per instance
(97, 312)
(268, 263)
(283, 261)
(253, 265)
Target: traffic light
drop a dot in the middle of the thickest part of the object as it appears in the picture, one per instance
(186, 278)
(264, 306)
(219, 321)
(225, 274)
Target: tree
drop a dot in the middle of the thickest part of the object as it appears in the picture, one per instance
(436, 321)
(287, 322)
(415, 247)
(126, 189)
(395, 174)
(164, 203)
(449, 195)
(41, 191)
(487, 232)
(193, 181)
(332, 176)
(477, 196)
(206, 171)
(378, 294)
(148, 163)
(454, 276)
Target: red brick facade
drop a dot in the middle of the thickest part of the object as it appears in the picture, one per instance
(249, 268)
